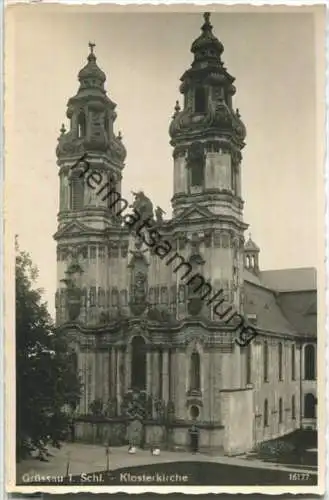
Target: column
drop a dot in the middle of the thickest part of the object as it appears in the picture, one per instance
(113, 374)
(93, 394)
(155, 373)
(165, 375)
(118, 378)
(180, 383)
(173, 376)
(99, 375)
(149, 372)
(106, 376)
(82, 373)
(127, 356)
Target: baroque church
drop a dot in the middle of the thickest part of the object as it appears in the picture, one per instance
(147, 344)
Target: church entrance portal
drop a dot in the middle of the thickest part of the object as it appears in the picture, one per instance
(138, 371)
(136, 434)
(194, 439)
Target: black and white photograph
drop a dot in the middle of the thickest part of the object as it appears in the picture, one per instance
(165, 316)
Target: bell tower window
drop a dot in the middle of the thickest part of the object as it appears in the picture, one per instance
(196, 165)
(197, 175)
(76, 192)
(81, 125)
(200, 100)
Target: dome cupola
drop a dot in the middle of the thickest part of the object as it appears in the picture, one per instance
(91, 75)
(206, 48)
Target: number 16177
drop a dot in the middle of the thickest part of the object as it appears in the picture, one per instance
(299, 476)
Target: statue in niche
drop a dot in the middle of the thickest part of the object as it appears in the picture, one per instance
(139, 294)
(140, 286)
(73, 291)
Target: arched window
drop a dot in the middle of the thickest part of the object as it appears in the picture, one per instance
(173, 294)
(81, 125)
(123, 298)
(309, 355)
(195, 371)
(92, 252)
(195, 164)
(249, 364)
(265, 361)
(138, 368)
(164, 295)
(197, 175)
(280, 361)
(101, 297)
(108, 298)
(101, 253)
(280, 411)
(151, 295)
(293, 408)
(200, 100)
(92, 296)
(84, 296)
(115, 297)
(293, 362)
(265, 413)
(76, 191)
(309, 406)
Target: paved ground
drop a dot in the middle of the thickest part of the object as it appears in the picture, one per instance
(86, 458)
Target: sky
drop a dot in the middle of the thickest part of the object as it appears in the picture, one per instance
(271, 55)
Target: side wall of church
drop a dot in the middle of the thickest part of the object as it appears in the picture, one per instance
(276, 398)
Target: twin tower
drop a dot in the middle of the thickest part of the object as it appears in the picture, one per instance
(106, 273)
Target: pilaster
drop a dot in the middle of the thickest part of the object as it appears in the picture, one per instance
(165, 375)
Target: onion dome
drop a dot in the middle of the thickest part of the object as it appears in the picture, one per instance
(207, 46)
(91, 75)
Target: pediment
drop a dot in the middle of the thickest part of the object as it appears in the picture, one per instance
(73, 229)
(195, 213)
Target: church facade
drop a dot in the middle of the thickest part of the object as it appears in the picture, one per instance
(136, 292)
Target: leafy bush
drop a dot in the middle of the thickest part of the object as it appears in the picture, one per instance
(274, 449)
(96, 407)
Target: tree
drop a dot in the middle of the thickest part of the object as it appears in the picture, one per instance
(46, 370)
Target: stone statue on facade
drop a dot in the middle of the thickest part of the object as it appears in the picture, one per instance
(159, 215)
(142, 205)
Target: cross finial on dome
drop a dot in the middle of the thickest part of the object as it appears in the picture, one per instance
(207, 27)
(91, 46)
